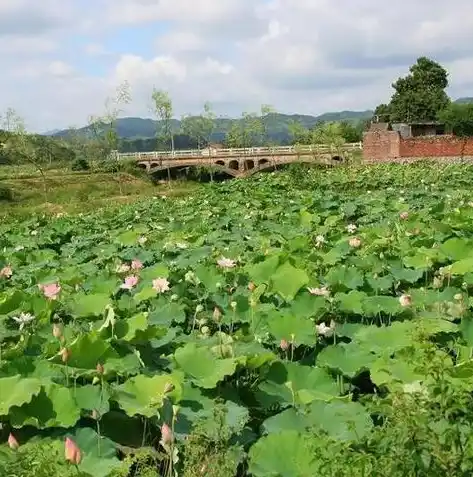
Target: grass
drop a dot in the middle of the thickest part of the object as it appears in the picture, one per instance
(73, 192)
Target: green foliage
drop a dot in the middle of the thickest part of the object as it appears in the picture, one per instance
(6, 193)
(458, 118)
(419, 96)
(80, 164)
(300, 354)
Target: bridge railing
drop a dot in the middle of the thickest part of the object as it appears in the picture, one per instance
(243, 151)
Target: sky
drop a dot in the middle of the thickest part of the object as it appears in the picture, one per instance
(62, 59)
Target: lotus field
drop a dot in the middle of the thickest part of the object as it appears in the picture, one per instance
(291, 324)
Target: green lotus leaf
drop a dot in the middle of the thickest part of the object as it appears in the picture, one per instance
(88, 350)
(293, 328)
(54, 406)
(145, 395)
(291, 383)
(349, 359)
(288, 280)
(204, 369)
(99, 454)
(89, 305)
(284, 454)
(262, 272)
(16, 391)
(344, 421)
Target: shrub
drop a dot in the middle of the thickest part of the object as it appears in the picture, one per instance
(80, 164)
(6, 193)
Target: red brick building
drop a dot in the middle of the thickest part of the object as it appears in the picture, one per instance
(384, 142)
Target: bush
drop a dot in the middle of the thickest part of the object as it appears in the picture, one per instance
(6, 193)
(80, 164)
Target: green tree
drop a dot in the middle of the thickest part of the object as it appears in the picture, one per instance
(458, 119)
(300, 135)
(201, 127)
(420, 95)
(329, 133)
(163, 109)
(20, 146)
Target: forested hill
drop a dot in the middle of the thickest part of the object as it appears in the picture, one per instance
(277, 125)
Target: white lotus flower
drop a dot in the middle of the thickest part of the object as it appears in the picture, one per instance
(23, 319)
(226, 262)
(324, 330)
(160, 285)
(322, 291)
(352, 228)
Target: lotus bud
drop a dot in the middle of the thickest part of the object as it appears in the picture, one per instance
(166, 434)
(405, 300)
(175, 410)
(217, 314)
(95, 381)
(65, 355)
(404, 215)
(12, 442)
(168, 388)
(95, 415)
(57, 331)
(72, 452)
(284, 345)
(233, 304)
(100, 369)
(199, 308)
(251, 286)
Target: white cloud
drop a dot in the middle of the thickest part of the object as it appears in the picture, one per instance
(61, 59)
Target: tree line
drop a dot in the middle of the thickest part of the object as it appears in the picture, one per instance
(421, 96)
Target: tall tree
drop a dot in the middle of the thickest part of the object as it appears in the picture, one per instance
(163, 109)
(199, 128)
(420, 95)
(20, 146)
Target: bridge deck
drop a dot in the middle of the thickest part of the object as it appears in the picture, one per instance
(241, 152)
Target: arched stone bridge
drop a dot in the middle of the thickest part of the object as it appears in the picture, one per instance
(242, 162)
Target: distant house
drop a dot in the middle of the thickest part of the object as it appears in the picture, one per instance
(212, 149)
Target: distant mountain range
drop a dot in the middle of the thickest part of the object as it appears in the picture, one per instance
(277, 124)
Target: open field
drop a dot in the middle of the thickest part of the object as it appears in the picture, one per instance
(77, 191)
(301, 323)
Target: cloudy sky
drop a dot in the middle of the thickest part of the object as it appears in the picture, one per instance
(62, 58)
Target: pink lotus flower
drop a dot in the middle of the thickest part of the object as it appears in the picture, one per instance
(160, 285)
(355, 242)
(323, 291)
(166, 434)
(6, 272)
(130, 282)
(136, 264)
(51, 291)
(12, 442)
(72, 452)
(405, 300)
(226, 262)
(404, 215)
(284, 345)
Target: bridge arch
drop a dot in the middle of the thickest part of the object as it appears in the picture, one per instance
(220, 163)
(249, 164)
(179, 166)
(233, 165)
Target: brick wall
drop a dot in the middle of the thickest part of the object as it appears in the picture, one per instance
(381, 146)
(436, 146)
(388, 146)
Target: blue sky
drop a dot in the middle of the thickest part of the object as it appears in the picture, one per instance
(62, 59)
